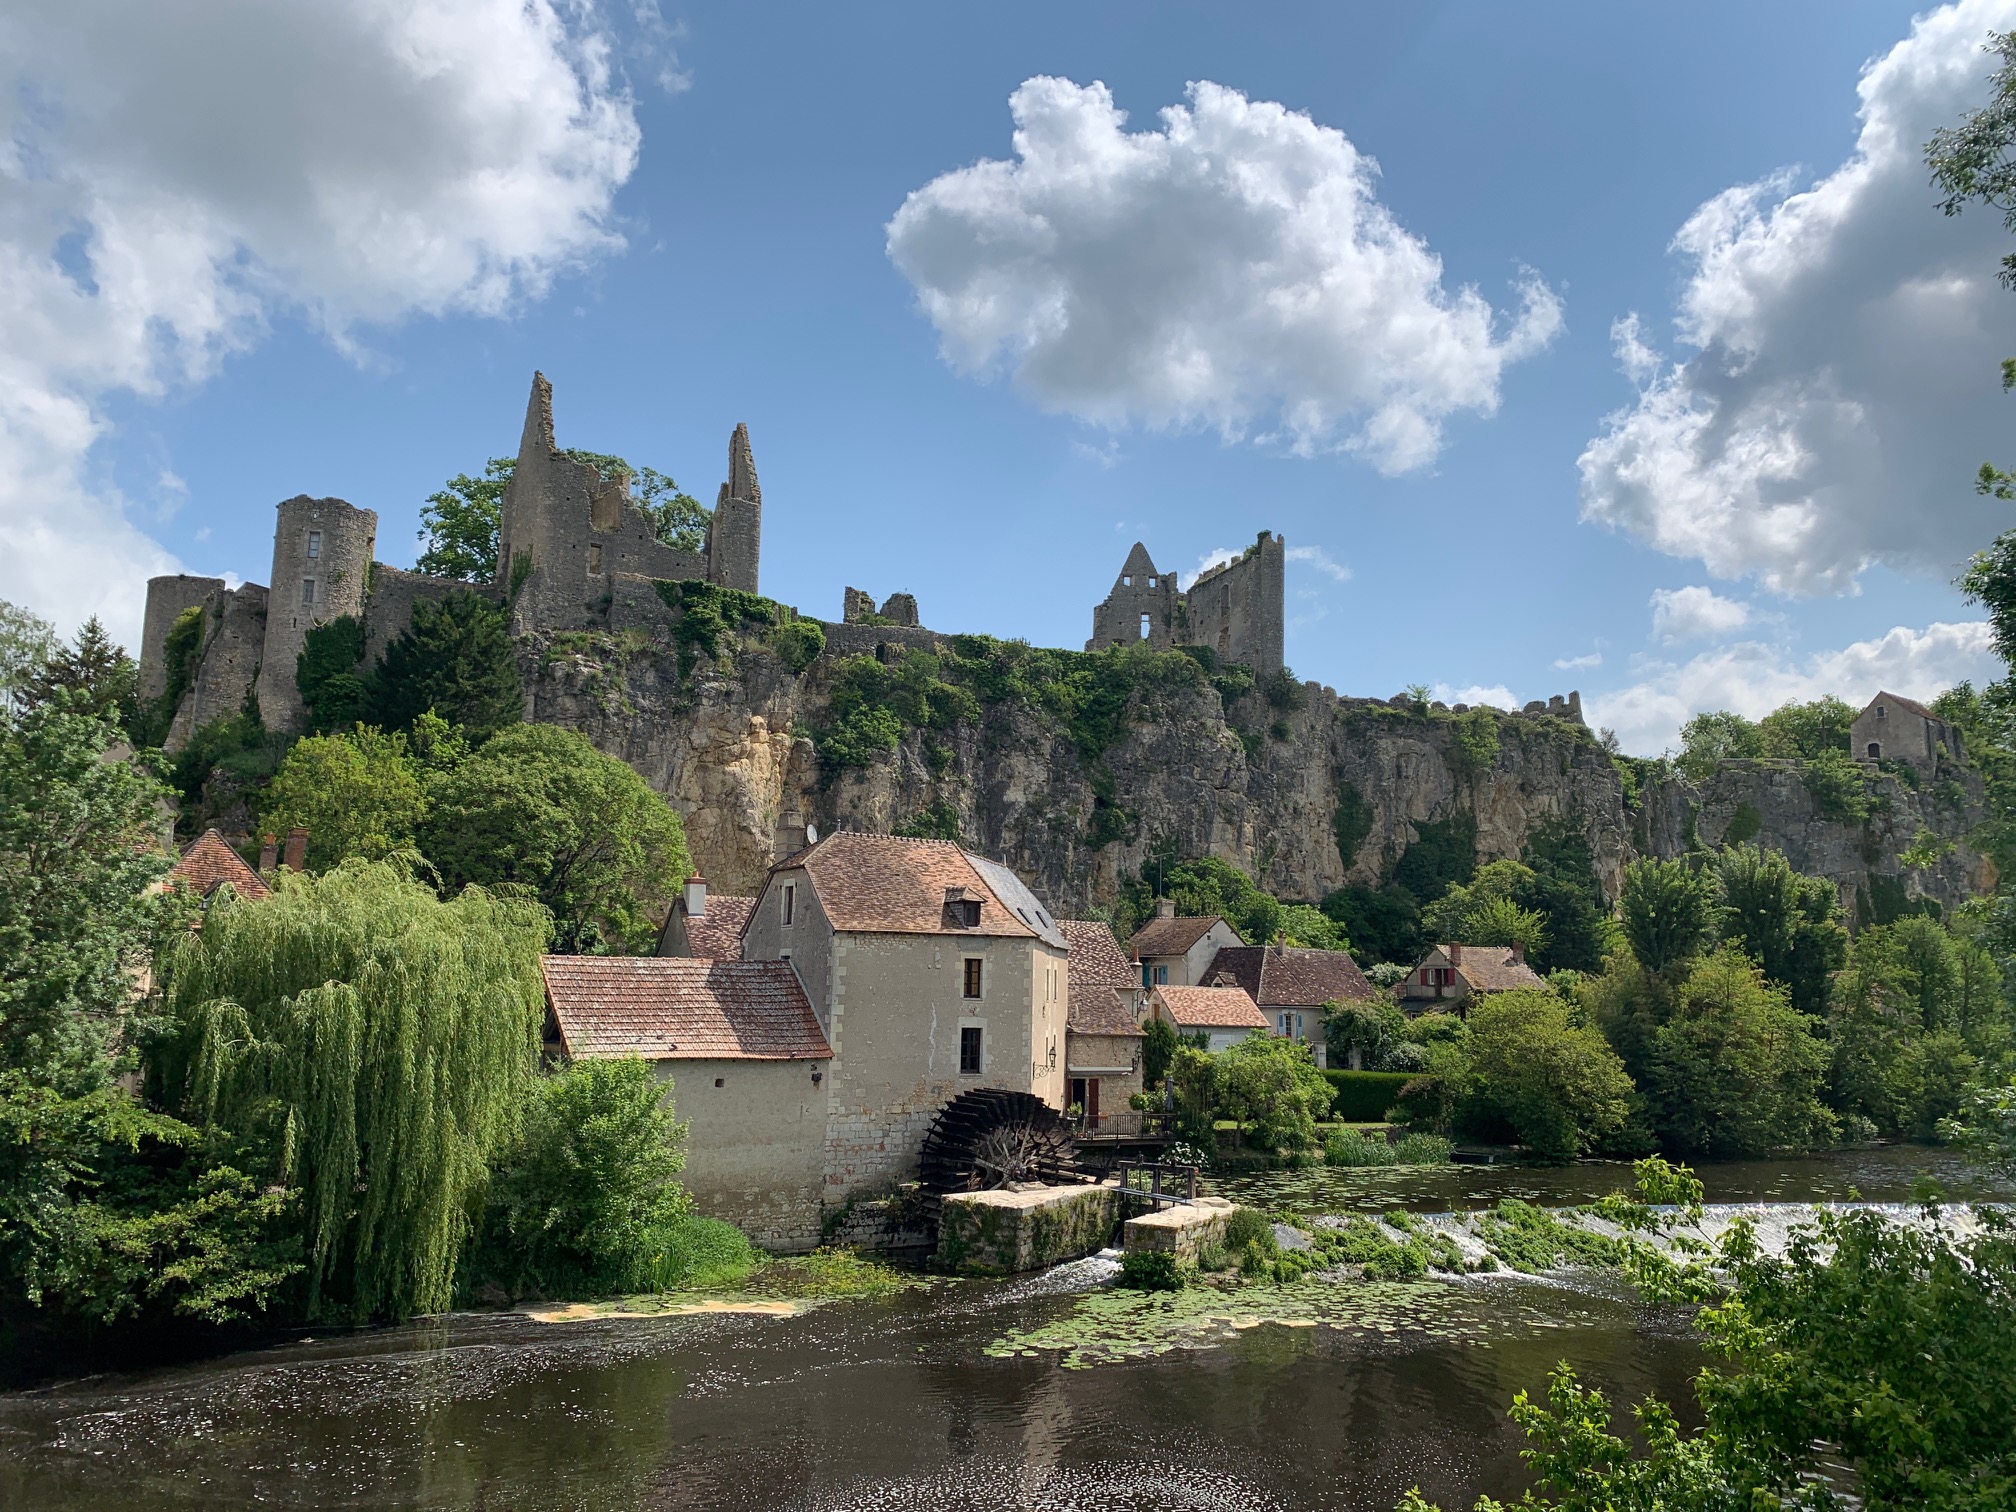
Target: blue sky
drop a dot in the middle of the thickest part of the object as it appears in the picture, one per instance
(340, 281)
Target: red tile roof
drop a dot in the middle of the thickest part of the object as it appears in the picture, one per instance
(1493, 968)
(1170, 937)
(1097, 969)
(1211, 1008)
(681, 1008)
(210, 862)
(884, 884)
(1292, 977)
(718, 935)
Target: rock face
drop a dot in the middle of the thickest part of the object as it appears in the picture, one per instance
(1281, 781)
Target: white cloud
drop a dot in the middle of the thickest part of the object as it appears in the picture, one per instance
(1495, 694)
(1216, 556)
(1317, 557)
(1680, 614)
(173, 177)
(1754, 678)
(1845, 339)
(1232, 270)
(1578, 663)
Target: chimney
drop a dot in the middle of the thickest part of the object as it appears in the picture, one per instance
(1455, 953)
(269, 854)
(1518, 953)
(1165, 908)
(696, 896)
(296, 857)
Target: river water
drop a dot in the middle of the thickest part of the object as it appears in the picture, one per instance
(964, 1394)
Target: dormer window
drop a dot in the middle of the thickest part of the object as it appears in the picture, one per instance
(962, 908)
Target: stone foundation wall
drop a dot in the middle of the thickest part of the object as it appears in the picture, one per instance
(1183, 1231)
(1001, 1233)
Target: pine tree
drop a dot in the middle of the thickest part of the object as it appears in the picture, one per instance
(456, 658)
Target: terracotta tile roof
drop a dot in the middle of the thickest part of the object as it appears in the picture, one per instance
(1494, 968)
(1293, 977)
(1169, 937)
(884, 884)
(1096, 957)
(718, 935)
(210, 862)
(1211, 1008)
(681, 1008)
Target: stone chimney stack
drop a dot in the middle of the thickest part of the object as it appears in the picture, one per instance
(269, 854)
(1518, 953)
(696, 896)
(1165, 908)
(296, 857)
(1455, 954)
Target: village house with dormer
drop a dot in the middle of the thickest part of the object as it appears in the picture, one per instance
(1450, 974)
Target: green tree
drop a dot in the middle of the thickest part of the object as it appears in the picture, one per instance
(456, 658)
(93, 666)
(1710, 738)
(1382, 923)
(540, 807)
(80, 842)
(1273, 1090)
(327, 674)
(1735, 1071)
(1667, 912)
(1360, 1035)
(357, 794)
(1555, 1083)
(1310, 928)
(1568, 895)
(27, 641)
(383, 1040)
(459, 524)
(1452, 916)
(1803, 731)
(1788, 924)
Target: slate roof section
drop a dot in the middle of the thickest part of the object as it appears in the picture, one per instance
(209, 863)
(1494, 968)
(1292, 977)
(1211, 1008)
(1097, 977)
(1171, 937)
(681, 1008)
(718, 934)
(885, 884)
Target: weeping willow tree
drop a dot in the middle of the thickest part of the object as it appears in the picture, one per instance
(383, 1041)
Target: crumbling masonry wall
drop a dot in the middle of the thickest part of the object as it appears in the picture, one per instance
(1236, 608)
(1142, 596)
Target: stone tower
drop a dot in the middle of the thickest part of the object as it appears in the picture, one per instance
(322, 552)
(735, 539)
(1143, 606)
(1237, 607)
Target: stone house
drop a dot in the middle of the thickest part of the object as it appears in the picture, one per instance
(704, 924)
(1450, 974)
(1893, 728)
(1102, 1040)
(1178, 952)
(1291, 986)
(932, 972)
(1224, 1015)
(747, 1063)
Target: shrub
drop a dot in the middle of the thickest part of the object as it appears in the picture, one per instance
(1349, 1147)
(798, 643)
(1151, 1270)
(1250, 1226)
(1365, 1096)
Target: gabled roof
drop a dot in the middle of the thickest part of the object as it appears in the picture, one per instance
(681, 1008)
(1098, 977)
(1493, 968)
(717, 935)
(1171, 937)
(1910, 704)
(209, 863)
(884, 884)
(1292, 977)
(1211, 1008)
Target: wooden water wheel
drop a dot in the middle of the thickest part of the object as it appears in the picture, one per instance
(992, 1138)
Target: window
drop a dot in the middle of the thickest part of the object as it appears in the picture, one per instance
(790, 901)
(964, 913)
(969, 1048)
(307, 593)
(594, 556)
(1151, 582)
(973, 979)
(1161, 976)
(1126, 581)
(1881, 712)
(314, 544)
(1875, 751)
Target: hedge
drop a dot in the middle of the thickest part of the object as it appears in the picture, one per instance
(1365, 1096)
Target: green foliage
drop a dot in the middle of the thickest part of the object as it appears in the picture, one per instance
(1712, 737)
(1477, 740)
(1838, 787)
(1788, 924)
(1444, 854)
(1735, 1071)
(1744, 825)
(326, 673)
(1554, 1082)
(109, 1211)
(540, 807)
(1158, 1048)
(1202, 886)
(1357, 1149)
(79, 846)
(1533, 1240)
(27, 641)
(710, 617)
(1807, 731)
(1364, 1096)
(1484, 912)
(1150, 1270)
(225, 763)
(456, 658)
(1667, 912)
(357, 794)
(93, 670)
(1383, 923)
(382, 1041)
(459, 524)
(586, 1202)
(1361, 1034)
(859, 738)
(1351, 822)
(1249, 1226)
(1566, 893)
(938, 822)
(1272, 1089)
(798, 642)
(679, 520)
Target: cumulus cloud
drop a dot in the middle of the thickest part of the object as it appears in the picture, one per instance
(1233, 270)
(1578, 663)
(1320, 560)
(1497, 695)
(1844, 344)
(174, 177)
(1680, 614)
(1753, 678)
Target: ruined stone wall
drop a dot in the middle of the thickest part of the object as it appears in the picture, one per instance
(1236, 609)
(322, 552)
(394, 593)
(1140, 590)
(167, 599)
(234, 645)
(735, 536)
(868, 640)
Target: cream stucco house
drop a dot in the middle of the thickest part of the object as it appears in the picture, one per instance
(1178, 951)
(1451, 973)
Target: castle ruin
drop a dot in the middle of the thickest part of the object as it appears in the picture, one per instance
(1234, 608)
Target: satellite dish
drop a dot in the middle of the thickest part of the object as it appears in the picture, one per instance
(811, 834)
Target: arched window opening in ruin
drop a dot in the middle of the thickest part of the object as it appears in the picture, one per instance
(1875, 751)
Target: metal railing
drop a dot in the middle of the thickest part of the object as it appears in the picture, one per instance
(1160, 1183)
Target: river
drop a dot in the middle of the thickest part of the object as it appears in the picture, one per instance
(947, 1397)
